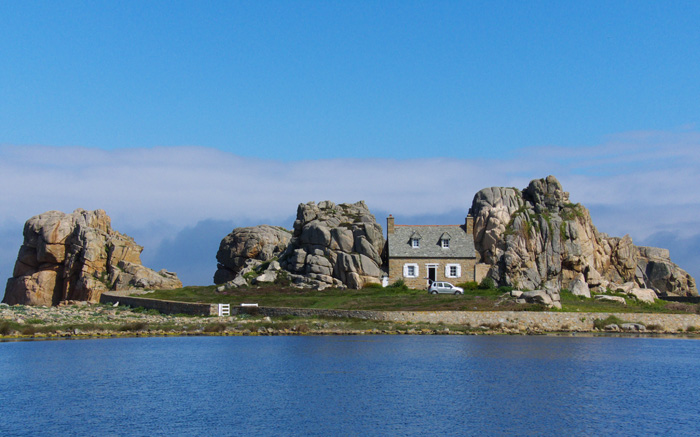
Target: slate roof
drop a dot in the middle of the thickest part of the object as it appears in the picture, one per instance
(461, 244)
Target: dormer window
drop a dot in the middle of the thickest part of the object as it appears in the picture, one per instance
(415, 240)
(445, 240)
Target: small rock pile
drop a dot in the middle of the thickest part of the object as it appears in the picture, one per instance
(549, 297)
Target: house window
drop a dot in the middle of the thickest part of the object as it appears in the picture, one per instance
(410, 270)
(415, 243)
(453, 270)
(445, 244)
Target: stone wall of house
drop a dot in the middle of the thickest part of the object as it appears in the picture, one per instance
(396, 270)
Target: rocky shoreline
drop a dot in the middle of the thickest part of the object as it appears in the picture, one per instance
(82, 320)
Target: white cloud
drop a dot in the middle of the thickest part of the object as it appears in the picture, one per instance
(640, 183)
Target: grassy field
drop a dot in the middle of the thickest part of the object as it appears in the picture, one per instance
(382, 299)
(392, 299)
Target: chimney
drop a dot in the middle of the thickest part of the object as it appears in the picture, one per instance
(469, 225)
(390, 224)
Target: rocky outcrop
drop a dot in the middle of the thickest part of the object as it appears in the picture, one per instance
(76, 257)
(331, 246)
(537, 238)
(262, 243)
(338, 245)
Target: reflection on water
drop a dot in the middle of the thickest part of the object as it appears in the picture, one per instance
(350, 385)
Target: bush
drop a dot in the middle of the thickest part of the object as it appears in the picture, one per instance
(372, 285)
(215, 327)
(131, 327)
(5, 328)
(282, 279)
(505, 289)
(301, 328)
(610, 320)
(487, 284)
(29, 330)
(399, 285)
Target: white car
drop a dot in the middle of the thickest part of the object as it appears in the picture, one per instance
(444, 287)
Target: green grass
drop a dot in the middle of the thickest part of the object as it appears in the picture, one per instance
(370, 298)
(571, 303)
(404, 299)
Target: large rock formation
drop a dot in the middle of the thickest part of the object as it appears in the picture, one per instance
(537, 238)
(335, 244)
(331, 246)
(262, 243)
(76, 257)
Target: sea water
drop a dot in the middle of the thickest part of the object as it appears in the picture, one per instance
(351, 385)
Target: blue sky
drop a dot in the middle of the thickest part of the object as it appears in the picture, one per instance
(184, 118)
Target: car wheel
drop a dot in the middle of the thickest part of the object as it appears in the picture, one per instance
(457, 293)
(433, 292)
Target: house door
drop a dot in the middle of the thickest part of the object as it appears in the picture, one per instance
(432, 273)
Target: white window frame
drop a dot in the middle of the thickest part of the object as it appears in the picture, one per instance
(445, 243)
(415, 243)
(416, 271)
(448, 271)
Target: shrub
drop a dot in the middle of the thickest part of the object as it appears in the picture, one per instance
(505, 289)
(301, 328)
(487, 284)
(399, 285)
(29, 330)
(282, 279)
(372, 285)
(215, 327)
(691, 329)
(5, 328)
(136, 326)
(249, 276)
(610, 320)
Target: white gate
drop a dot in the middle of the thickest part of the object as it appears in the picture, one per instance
(224, 309)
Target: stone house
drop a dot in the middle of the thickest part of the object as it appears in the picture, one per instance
(417, 253)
